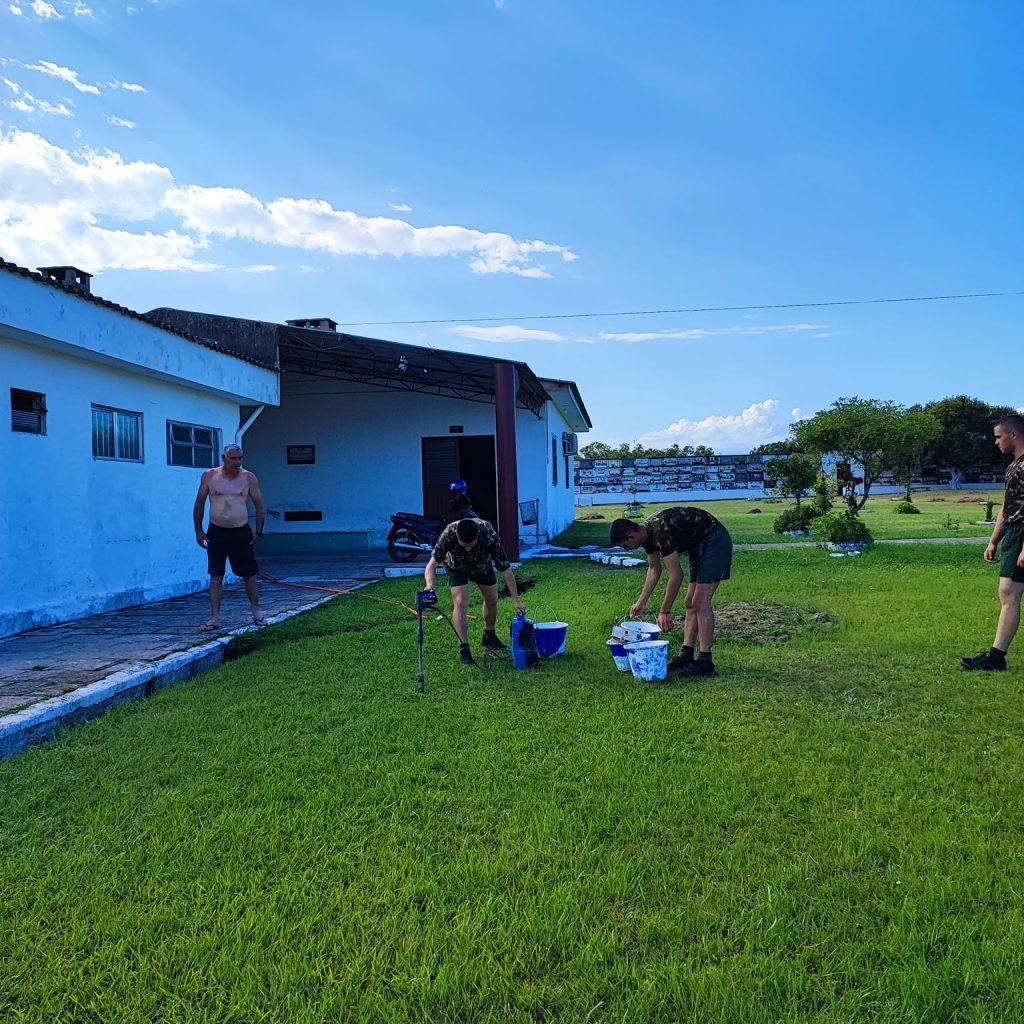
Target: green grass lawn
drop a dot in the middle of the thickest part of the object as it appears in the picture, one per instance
(829, 831)
(748, 528)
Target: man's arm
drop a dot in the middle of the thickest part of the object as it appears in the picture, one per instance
(653, 575)
(430, 573)
(437, 557)
(510, 582)
(496, 552)
(199, 508)
(997, 532)
(257, 503)
(675, 581)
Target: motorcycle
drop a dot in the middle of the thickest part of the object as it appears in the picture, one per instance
(412, 535)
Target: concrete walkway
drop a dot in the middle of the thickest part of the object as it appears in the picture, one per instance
(72, 671)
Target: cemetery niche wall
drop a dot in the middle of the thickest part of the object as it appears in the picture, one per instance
(739, 476)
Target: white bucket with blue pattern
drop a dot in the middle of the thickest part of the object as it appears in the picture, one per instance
(648, 660)
(618, 652)
(634, 632)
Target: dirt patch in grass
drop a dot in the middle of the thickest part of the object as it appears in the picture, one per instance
(592, 515)
(756, 623)
(523, 584)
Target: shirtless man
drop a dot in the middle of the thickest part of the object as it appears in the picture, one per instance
(228, 536)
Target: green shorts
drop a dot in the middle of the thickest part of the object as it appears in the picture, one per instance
(1009, 551)
(712, 561)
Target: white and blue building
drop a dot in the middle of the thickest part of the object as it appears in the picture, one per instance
(114, 414)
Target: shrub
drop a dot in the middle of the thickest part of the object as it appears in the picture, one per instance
(841, 528)
(793, 519)
(821, 503)
(907, 508)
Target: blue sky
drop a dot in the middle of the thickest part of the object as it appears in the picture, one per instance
(480, 159)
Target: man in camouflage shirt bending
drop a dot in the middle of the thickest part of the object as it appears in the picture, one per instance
(709, 547)
(1006, 545)
(470, 550)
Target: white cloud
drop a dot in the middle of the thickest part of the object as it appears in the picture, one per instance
(82, 10)
(798, 414)
(13, 86)
(47, 67)
(741, 431)
(120, 122)
(305, 268)
(69, 75)
(400, 207)
(51, 204)
(51, 198)
(699, 333)
(15, 9)
(44, 10)
(259, 268)
(507, 333)
(315, 225)
(28, 104)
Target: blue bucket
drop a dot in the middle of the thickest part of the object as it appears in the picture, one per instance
(550, 638)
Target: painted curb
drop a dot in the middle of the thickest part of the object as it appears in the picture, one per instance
(41, 721)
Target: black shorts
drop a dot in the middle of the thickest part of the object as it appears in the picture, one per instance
(234, 543)
(1009, 551)
(711, 562)
(481, 579)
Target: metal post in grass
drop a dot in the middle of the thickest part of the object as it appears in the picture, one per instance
(424, 599)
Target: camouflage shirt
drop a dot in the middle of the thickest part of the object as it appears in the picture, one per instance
(678, 529)
(1013, 502)
(476, 562)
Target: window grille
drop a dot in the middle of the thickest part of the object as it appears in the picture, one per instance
(116, 434)
(28, 411)
(191, 445)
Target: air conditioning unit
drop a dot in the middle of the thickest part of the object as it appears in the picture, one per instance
(570, 444)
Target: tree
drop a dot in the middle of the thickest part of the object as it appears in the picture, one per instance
(874, 434)
(965, 437)
(912, 434)
(776, 448)
(596, 450)
(794, 477)
(635, 450)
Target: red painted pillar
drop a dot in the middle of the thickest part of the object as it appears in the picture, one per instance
(508, 470)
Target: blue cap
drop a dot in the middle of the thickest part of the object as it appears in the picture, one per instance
(457, 485)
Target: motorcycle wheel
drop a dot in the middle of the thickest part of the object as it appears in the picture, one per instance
(400, 554)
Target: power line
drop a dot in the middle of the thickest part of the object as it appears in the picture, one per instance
(690, 309)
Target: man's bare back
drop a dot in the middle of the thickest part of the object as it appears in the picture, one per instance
(228, 494)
